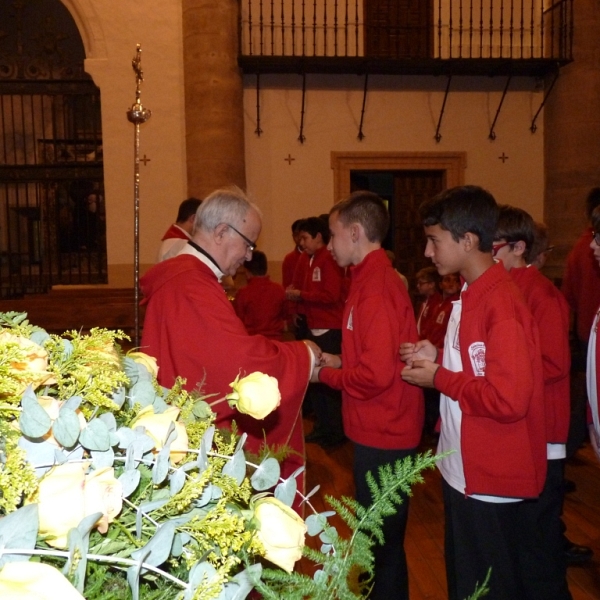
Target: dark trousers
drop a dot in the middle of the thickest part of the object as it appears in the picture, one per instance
(326, 403)
(543, 560)
(391, 572)
(479, 536)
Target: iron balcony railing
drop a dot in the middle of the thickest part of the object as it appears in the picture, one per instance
(404, 35)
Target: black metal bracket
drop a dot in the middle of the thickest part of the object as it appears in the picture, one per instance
(533, 127)
(438, 135)
(361, 135)
(301, 137)
(492, 134)
(258, 130)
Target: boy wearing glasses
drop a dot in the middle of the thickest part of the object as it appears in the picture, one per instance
(491, 401)
(544, 554)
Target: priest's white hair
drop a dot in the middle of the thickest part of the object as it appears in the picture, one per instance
(228, 205)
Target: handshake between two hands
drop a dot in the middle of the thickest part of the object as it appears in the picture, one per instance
(419, 358)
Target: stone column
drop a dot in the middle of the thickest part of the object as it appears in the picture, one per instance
(213, 96)
(572, 137)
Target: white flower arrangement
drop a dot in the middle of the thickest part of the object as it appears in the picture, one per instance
(112, 486)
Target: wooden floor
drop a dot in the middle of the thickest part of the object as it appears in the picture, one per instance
(424, 540)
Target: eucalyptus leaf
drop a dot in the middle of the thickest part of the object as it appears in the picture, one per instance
(201, 571)
(267, 475)
(103, 459)
(201, 409)
(129, 481)
(133, 578)
(74, 402)
(67, 349)
(142, 393)
(177, 481)
(236, 467)
(79, 541)
(241, 442)
(241, 585)
(159, 405)
(142, 443)
(95, 436)
(18, 529)
(179, 541)
(160, 470)
(109, 420)
(315, 524)
(329, 535)
(159, 545)
(39, 337)
(320, 577)
(286, 491)
(126, 437)
(66, 428)
(119, 396)
(34, 421)
(40, 454)
(131, 369)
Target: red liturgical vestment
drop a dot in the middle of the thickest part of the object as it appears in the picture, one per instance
(192, 330)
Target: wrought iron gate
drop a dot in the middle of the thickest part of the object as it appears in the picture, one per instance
(52, 219)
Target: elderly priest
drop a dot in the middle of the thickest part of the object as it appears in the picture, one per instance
(193, 331)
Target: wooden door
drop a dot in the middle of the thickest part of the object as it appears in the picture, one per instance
(404, 190)
(398, 28)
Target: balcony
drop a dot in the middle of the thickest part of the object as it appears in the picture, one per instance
(407, 37)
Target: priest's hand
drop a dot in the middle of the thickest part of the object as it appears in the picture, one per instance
(421, 373)
(331, 360)
(423, 349)
(316, 351)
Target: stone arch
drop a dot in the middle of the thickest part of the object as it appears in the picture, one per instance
(90, 28)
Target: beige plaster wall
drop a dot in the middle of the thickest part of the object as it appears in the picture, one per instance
(401, 115)
(110, 31)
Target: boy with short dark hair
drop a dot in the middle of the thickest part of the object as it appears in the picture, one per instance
(383, 416)
(261, 304)
(544, 553)
(320, 294)
(492, 405)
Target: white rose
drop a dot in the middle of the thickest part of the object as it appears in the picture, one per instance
(256, 395)
(281, 532)
(24, 580)
(145, 359)
(157, 425)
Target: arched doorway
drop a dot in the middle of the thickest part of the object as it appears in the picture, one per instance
(52, 220)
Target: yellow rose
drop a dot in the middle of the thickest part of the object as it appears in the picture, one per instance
(256, 395)
(24, 580)
(281, 532)
(66, 495)
(145, 359)
(31, 367)
(103, 493)
(157, 426)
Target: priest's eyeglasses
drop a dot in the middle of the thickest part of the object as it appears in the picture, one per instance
(251, 245)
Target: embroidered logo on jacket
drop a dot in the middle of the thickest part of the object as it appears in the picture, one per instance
(349, 323)
(477, 356)
(316, 274)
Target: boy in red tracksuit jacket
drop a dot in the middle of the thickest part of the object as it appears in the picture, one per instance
(320, 294)
(427, 287)
(492, 398)
(383, 416)
(545, 550)
(261, 304)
